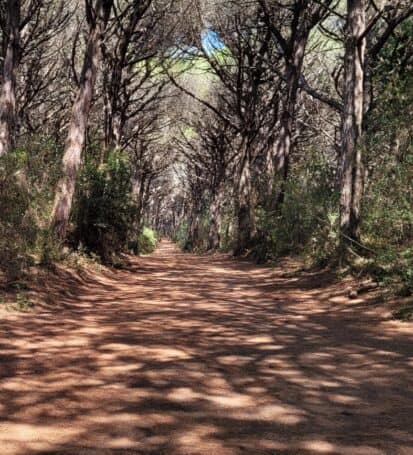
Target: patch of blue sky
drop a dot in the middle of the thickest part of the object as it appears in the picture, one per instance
(211, 41)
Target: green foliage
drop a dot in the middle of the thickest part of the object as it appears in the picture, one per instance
(104, 213)
(394, 268)
(307, 223)
(193, 236)
(17, 228)
(27, 180)
(387, 215)
(146, 242)
(50, 248)
(182, 236)
(227, 225)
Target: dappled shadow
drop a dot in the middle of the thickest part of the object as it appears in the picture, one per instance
(185, 355)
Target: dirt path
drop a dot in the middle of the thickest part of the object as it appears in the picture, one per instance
(205, 355)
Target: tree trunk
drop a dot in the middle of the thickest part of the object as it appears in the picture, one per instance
(8, 88)
(352, 122)
(79, 122)
(138, 193)
(194, 240)
(283, 146)
(216, 220)
(107, 116)
(245, 211)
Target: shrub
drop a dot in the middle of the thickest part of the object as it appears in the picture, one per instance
(26, 193)
(146, 242)
(182, 237)
(17, 227)
(104, 213)
(387, 212)
(307, 223)
(394, 268)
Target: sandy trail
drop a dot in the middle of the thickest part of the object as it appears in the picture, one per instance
(184, 354)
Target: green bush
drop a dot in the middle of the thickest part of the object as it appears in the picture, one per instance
(227, 228)
(307, 223)
(387, 212)
(17, 227)
(104, 213)
(146, 242)
(394, 268)
(27, 180)
(182, 237)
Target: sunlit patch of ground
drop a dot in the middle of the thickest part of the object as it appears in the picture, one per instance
(184, 354)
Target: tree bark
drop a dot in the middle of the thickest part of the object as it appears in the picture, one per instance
(194, 240)
(216, 221)
(8, 88)
(283, 146)
(352, 122)
(245, 211)
(79, 122)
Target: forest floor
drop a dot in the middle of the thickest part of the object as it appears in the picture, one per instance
(186, 354)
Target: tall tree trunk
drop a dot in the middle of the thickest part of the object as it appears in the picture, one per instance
(352, 122)
(138, 193)
(114, 82)
(283, 146)
(216, 220)
(245, 211)
(8, 88)
(79, 122)
(141, 186)
(194, 239)
(107, 115)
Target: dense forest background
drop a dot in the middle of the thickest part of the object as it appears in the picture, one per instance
(262, 127)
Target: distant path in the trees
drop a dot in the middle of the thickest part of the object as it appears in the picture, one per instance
(184, 354)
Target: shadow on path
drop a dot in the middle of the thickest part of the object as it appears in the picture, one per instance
(184, 354)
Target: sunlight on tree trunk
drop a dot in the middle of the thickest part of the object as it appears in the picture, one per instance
(8, 88)
(284, 144)
(78, 124)
(352, 123)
